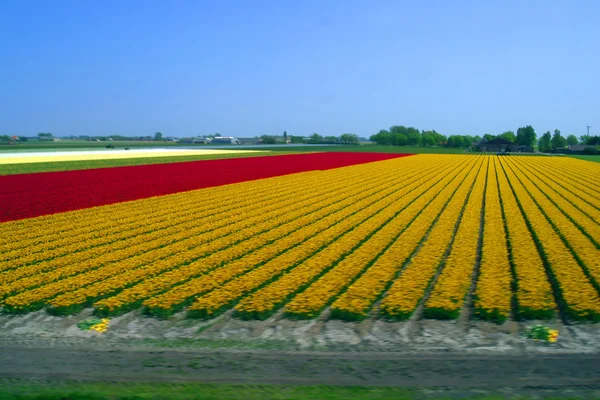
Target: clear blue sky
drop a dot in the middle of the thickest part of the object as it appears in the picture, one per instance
(248, 68)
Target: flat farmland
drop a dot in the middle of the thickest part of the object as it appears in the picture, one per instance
(426, 236)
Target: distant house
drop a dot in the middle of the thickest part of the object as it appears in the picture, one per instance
(578, 147)
(253, 140)
(225, 140)
(497, 145)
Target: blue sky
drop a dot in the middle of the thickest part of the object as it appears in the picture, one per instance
(248, 68)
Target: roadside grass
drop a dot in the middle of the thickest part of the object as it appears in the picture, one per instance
(24, 390)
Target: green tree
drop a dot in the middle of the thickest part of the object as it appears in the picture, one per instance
(382, 137)
(413, 137)
(430, 138)
(331, 139)
(349, 138)
(488, 137)
(508, 135)
(572, 140)
(285, 137)
(297, 139)
(398, 139)
(545, 142)
(315, 138)
(558, 140)
(158, 136)
(217, 134)
(526, 136)
(268, 139)
(4, 139)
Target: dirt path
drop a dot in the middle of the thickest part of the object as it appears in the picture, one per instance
(301, 367)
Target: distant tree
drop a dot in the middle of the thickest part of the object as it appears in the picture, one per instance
(545, 142)
(4, 139)
(458, 141)
(158, 136)
(477, 139)
(268, 139)
(429, 138)
(526, 136)
(315, 138)
(488, 137)
(297, 139)
(331, 139)
(594, 141)
(382, 137)
(413, 137)
(558, 140)
(349, 138)
(572, 140)
(217, 134)
(583, 139)
(285, 137)
(508, 135)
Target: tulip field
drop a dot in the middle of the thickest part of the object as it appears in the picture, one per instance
(390, 237)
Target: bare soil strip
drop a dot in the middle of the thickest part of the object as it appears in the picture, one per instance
(301, 368)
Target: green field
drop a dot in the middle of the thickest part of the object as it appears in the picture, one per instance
(61, 390)
(588, 158)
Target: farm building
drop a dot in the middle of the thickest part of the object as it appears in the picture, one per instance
(225, 140)
(497, 145)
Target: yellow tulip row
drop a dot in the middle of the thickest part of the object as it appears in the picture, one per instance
(581, 244)
(448, 295)
(178, 253)
(534, 293)
(311, 258)
(578, 197)
(569, 204)
(139, 220)
(152, 245)
(299, 228)
(107, 281)
(410, 287)
(579, 175)
(166, 303)
(492, 296)
(310, 302)
(581, 300)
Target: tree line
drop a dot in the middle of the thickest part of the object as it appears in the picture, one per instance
(399, 135)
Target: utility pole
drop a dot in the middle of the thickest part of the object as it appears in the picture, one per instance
(588, 130)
